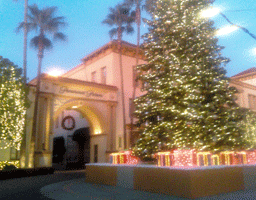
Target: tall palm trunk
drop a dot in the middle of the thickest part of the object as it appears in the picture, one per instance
(34, 127)
(24, 153)
(25, 40)
(138, 22)
(122, 83)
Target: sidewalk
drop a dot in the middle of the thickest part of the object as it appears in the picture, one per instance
(79, 189)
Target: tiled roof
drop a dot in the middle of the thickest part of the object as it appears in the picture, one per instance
(45, 76)
(248, 71)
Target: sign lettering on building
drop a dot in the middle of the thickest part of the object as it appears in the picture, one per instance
(87, 93)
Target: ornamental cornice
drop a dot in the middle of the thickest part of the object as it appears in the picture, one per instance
(242, 84)
(244, 77)
(127, 49)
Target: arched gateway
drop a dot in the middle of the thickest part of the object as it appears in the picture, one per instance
(96, 102)
(93, 88)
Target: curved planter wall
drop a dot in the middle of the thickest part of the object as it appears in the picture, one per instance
(182, 182)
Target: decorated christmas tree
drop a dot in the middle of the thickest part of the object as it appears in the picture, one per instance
(13, 105)
(188, 103)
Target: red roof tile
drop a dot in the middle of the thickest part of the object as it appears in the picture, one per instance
(248, 71)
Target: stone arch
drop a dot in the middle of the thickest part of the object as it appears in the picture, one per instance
(90, 112)
(96, 102)
(97, 115)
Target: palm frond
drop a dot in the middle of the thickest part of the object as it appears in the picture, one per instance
(49, 12)
(133, 14)
(149, 5)
(108, 21)
(60, 20)
(112, 33)
(129, 29)
(120, 15)
(20, 26)
(47, 44)
(60, 36)
(130, 3)
(45, 21)
(30, 27)
(34, 10)
(112, 10)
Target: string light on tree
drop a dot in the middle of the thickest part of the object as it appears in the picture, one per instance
(13, 105)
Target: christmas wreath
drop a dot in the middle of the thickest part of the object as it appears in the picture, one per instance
(72, 126)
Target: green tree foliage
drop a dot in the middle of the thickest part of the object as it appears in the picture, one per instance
(188, 101)
(13, 104)
(248, 124)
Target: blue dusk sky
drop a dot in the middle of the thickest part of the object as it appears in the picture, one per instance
(86, 33)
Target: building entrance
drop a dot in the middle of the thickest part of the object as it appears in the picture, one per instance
(95, 103)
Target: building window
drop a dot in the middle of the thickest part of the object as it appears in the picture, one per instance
(14, 154)
(103, 75)
(94, 76)
(96, 153)
(252, 102)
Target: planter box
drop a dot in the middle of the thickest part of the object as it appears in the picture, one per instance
(182, 182)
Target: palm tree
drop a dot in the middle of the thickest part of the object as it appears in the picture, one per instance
(122, 19)
(23, 143)
(45, 22)
(25, 40)
(149, 8)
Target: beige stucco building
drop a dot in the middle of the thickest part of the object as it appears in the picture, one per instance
(93, 89)
(245, 83)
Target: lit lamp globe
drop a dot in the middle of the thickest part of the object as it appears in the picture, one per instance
(253, 51)
(226, 30)
(210, 12)
(55, 72)
(213, 11)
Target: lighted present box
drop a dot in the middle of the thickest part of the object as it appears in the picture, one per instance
(123, 157)
(227, 157)
(207, 159)
(179, 158)
(251, 157)
(241, 158)
(189, 158)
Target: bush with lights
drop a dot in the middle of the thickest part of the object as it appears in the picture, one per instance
(188, 102)
(13, 105)
(249, 127)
